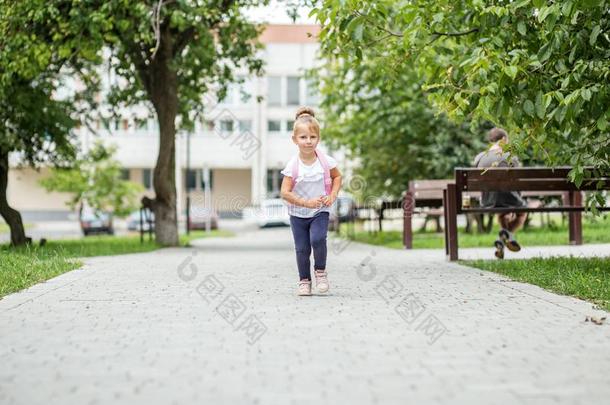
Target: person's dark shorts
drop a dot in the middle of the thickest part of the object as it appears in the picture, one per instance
(502, 199)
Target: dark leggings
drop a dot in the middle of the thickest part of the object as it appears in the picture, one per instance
(310, 233)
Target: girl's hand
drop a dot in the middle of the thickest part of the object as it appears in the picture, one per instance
(328, 200)
(314, 202)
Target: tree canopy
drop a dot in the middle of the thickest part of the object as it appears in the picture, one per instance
(389, 127)
(169, 53)
(34, 122)
(164, 54)
(539, 68)
(94, 179)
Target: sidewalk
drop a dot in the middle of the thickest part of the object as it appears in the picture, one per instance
(219, 323)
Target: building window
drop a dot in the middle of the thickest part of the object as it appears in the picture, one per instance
(229, 95)
(292, 90)
(147, 178)
(274, 182)
(124, 174)
(313, 93)
(274, 125)
(202, 183)
(194, 179)
(191, 179)
(289, 125)
(207, 125)
(245, 125)
(245, 91)
(274, 90)
(226, 126)
(142, 124)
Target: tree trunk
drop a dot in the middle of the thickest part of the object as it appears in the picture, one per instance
(163, 90)
(11, 216)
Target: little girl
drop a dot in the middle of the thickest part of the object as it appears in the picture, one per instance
(310, 186)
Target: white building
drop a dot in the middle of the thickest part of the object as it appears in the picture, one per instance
(242, 142)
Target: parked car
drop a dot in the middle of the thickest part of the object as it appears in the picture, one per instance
(148, 221)
(344, 210)
(96, 222)
(272, 212)
(199, 219)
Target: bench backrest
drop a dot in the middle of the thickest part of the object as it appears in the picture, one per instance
(522, 179)
(428, 189)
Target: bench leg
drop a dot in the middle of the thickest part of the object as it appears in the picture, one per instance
(575, 219)
(445, 221)
(451, 224)
(407, 224)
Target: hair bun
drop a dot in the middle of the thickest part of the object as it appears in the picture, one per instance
(304, 111)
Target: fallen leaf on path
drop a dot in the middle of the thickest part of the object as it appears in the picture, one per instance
(597, 321)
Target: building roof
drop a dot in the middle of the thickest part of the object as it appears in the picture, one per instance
(290, 33)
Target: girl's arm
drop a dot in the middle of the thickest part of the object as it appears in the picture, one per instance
(294, 199)
(336, 177)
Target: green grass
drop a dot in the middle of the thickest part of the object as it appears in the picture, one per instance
(585, 278)
(594, 231)
(102, 245)
(21, 268)
(28, 265)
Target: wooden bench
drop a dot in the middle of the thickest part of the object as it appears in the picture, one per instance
(421, 194)
(527, 179)
(429, 194)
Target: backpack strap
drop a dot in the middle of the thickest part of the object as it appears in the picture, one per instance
(325, 166)
(295, 171)
(327, 180)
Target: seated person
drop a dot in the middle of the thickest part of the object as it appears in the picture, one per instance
(510, 222)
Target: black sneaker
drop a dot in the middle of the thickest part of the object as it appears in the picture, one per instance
(499, 253)
(510, 242)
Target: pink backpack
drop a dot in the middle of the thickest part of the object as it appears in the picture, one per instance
(325, 166)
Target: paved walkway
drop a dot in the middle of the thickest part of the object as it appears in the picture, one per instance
(220, 324)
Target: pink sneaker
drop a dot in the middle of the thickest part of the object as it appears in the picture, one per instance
(321, 281)
(304, 287)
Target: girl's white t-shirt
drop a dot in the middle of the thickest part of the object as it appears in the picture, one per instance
(309, 184)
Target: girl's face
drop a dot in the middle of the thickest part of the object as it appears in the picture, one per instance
(305, 138)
